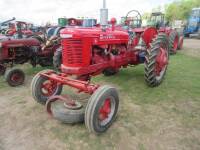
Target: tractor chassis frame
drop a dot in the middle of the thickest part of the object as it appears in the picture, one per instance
(63, 79)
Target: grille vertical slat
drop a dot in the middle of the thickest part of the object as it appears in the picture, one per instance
(72, 52)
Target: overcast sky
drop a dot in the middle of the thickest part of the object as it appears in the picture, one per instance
(41, 11)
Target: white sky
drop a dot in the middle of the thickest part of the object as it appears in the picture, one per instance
(41, 11)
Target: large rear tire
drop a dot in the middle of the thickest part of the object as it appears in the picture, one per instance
(110, 71)
(57, 58)
(42, 88)
(156, 60)
(180, 43)
(101, 109)
(173, 42)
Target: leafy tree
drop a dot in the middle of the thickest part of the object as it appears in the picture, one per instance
(180, 9)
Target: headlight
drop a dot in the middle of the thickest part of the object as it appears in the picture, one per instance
(66, 36)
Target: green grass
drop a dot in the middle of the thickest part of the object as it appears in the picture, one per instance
(182, 81)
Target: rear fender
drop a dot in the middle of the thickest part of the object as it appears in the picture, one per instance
(148, 35)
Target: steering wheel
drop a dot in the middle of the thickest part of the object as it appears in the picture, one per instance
(131, 19)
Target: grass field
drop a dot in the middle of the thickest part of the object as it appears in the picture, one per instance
(162, 118)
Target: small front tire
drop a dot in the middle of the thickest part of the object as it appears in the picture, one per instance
(42, 88)
(101, 109)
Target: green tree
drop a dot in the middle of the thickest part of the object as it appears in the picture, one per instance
(180, 9)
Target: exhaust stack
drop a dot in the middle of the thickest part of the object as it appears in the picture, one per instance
(104, 15)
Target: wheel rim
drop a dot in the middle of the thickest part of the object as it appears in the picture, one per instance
(48, 88)
(17, 78)
(161, 62)
(175, 44)
(106, 111)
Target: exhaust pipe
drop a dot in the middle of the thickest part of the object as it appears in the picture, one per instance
(104, 16)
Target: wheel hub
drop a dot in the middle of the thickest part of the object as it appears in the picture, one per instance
(48, 88)
(105, 110)
(16, 77)
(161, 61)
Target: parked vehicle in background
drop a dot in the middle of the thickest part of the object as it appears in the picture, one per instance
(192, 28)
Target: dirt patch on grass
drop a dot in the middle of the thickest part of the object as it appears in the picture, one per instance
(191, 47)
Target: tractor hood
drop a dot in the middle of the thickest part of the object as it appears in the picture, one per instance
(9, 43)
(97, 34)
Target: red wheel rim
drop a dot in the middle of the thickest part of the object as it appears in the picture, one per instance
(48, 88)
(105, 110)
(175, 45)
(16, 77)
(161, 61)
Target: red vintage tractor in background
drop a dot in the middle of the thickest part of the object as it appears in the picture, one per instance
(19, 29)
(36, 50)
(157, 20)
(88, 52)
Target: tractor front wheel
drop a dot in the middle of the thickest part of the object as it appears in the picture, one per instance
(43, 88)
(156, 60)
(14, 77)
(101, 109)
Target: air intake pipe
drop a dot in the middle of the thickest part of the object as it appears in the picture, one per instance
(104, 16)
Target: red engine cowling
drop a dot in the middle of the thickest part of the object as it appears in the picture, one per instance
(78, 43)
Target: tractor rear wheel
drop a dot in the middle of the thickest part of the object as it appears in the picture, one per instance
(156, 60)
(57, 59)
(65, 114)
(180, 43)
(39, 38)
(43, 88)
(110, 71)
(101, 109)
(46, 62)
(173, 42)
(14, 77)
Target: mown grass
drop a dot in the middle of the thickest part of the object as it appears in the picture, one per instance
(143, 111)
(182, 81)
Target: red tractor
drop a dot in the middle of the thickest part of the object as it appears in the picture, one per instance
(88, 52)
(19, 29)
(157, 19)
(35, 50)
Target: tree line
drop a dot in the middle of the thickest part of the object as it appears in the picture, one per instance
(180, 10)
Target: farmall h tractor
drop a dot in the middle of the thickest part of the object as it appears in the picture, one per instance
(157, 20)
(88, 52)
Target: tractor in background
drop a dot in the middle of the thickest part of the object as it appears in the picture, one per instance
(18, 29)
(193, 25)
(87, 52)
(36, 50)
(176, 39)
(5, 25)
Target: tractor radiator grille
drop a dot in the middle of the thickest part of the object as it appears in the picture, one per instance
(72, 52)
